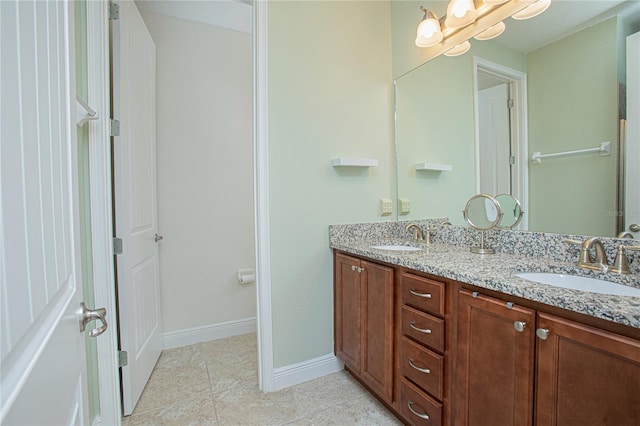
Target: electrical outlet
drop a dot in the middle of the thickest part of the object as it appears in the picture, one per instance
(404, 206)
(386, 206)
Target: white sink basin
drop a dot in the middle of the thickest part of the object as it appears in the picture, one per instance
(576, 282)
(394, 247)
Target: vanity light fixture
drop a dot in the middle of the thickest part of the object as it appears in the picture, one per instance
(491, 32)
(460, 13)
(534, 10)
(429, 32)
(466, 19)
(459, 49)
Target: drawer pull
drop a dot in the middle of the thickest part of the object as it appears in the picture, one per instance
(420, 369)
(421, 415)
(415, 293)
(412, 324)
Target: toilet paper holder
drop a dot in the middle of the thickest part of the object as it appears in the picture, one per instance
(246, 276)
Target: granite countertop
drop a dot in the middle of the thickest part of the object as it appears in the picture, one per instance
(496, 272)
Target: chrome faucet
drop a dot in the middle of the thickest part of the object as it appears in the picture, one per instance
(599, 263)
(417, 232)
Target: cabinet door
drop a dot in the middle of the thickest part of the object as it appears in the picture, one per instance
(494, 368)
(586, 376)
(347, 311)
(377, 328)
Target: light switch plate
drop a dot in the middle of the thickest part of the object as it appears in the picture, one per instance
(386, 206)
(404, 206)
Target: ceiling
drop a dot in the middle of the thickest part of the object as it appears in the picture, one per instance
(231, 14)
(562, 18)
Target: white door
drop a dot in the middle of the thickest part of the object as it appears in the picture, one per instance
(494, 136)
(632, 155)
(135, 200)
(43, 374)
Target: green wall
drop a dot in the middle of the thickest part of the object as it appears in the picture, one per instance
(572, 101)
(330, 95)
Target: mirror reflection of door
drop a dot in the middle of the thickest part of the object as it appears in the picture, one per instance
(632, 155)
(494, 136)
(501, 146)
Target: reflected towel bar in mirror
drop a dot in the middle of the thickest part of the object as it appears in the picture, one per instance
(604, 149)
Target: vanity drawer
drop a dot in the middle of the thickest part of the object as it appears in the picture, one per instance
(422, 366)
(424, 328)
(423, 293)
(417, 407)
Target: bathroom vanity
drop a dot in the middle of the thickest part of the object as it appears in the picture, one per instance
(446, 337)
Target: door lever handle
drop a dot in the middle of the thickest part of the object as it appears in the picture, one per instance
(88, 315)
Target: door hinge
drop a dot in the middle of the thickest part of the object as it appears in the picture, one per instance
(117, 245)
(114, 11)
(123, 359)
(512, 160)
(114, 128)
(510, 103)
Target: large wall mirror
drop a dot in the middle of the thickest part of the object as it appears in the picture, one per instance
(471, 123)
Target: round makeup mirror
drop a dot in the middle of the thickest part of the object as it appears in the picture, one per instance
(511, 210)
(483, 213)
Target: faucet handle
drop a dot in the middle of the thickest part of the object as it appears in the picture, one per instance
(574, 242)
(621, 264)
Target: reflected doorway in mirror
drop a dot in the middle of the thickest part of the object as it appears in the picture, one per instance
(501, 131)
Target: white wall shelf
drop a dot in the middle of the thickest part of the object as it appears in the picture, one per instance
(434, 167)
(354, 162)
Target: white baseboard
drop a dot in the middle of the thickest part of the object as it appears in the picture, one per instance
(191, 336)
(305, 371)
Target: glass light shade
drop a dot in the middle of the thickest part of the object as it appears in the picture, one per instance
(429, 32)
(533, 10)
(491, 32)
(459, 49)
(460, 13)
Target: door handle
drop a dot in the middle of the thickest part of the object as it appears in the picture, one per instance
(88, 315)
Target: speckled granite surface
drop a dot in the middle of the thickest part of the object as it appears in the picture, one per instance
(450, 257)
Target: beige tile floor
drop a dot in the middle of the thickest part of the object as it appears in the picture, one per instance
(215, 383)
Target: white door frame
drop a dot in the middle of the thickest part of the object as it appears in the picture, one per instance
(631, 154)
(518, 84)
(101, 217)
(266, 380)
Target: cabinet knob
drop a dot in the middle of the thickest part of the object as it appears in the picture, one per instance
(519, 326)
(542, 333)
(353, 267)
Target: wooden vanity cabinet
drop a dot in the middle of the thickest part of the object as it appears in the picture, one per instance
(495, 362)
(585, 376)
(483, 360)
(364, 321)
(421, 349)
